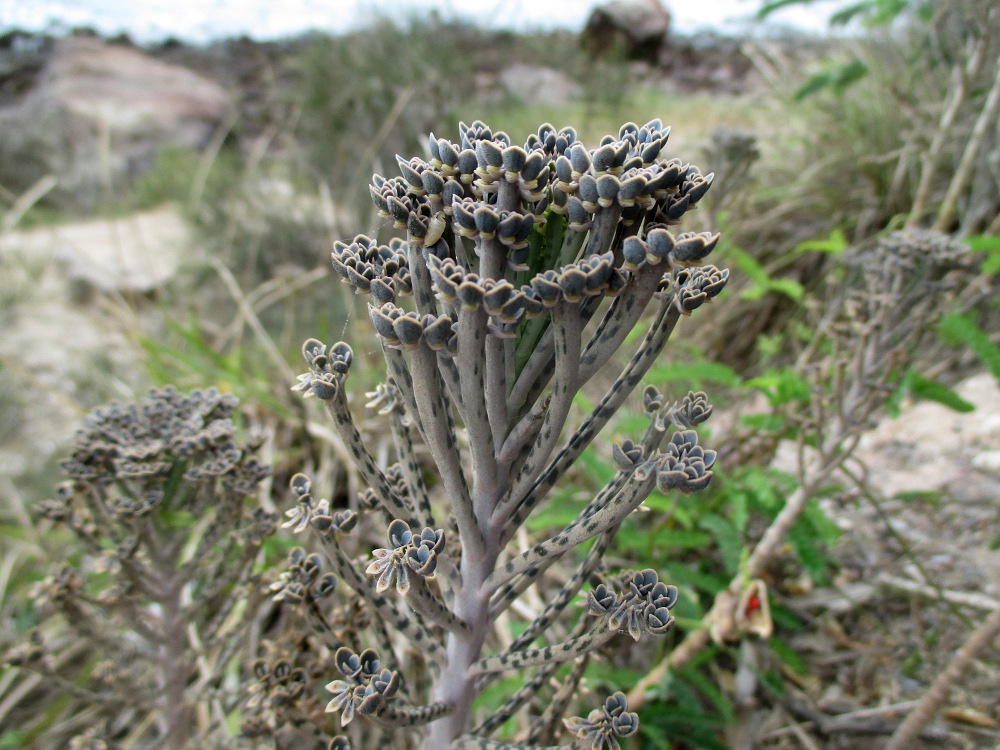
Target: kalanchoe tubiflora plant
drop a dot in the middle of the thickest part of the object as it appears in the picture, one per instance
(522, 274)
(146, 615)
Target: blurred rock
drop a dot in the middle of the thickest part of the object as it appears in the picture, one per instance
(98, 114)
(533, 84)
(133, 255)
(22, 58)
(636, 29)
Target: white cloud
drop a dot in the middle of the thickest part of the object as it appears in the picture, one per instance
(201, 20)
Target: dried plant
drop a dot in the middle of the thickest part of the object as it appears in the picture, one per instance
(523, 272)
(146, 614)
(882, 319)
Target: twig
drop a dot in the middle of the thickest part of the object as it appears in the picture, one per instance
(981, 638)
(963, 598)
(963, 174)
(959, 89)
(800, 734)
(248, 313)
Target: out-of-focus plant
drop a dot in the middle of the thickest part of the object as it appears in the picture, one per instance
(523, 272)
(940, 64)
(862, 356)
(142, 623)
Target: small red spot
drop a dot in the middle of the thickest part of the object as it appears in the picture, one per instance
(753, 604)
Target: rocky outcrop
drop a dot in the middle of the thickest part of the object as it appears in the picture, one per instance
(635, 29)
(98, 114)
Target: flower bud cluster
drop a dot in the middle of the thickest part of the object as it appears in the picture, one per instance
(143, 441)
(405, 330)
(692, 410)
(326, 371)
(463, 182)
(304, 578)
(407, 552)
(660, 245)
(307, 511)
(258, 527)
(624, 172)
(278, 681)
(644, 607)
(696, 286)
(604, 726)
(477, 220)
(506, 304)
(386, 398)
(368, 686)
(627, 455)
(687, 413)
(379, 270)
(684, 465)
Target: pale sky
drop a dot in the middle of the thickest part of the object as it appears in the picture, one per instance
(201, 20)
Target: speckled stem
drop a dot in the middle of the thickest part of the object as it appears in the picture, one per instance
(365, 462)
(411, 469)
(423, 600)
(566, 324)
(548, 654)
(441, 443)
(614, 511)
(647, 353)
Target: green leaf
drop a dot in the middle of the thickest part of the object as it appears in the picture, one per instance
(773, 5)
(761, 282)
(696, 372)
(816, 83)
(932, 390)
(789, 287)
(675, 539)
(803, 539)
(822, 525)
(835, 244)
(932, 497)
(15, 738)
(782, 386)
(753, 270)
(597, 468)
(990, 246)
(984, 243)
(837, 78)
(681, 574)
(848, 74)
(962, 329)
(845, 15)
(609, 674)
(556, 514)
(785, 618)
(886, 11)
(728, 539)
(788, 655)
(655, 736)
(708, 688)
(772, 423)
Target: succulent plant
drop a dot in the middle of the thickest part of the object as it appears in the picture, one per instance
(157, 587)
(522, 273)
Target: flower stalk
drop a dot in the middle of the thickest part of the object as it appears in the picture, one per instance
(521, 275)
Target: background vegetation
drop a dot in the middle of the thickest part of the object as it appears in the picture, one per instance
(819, 157)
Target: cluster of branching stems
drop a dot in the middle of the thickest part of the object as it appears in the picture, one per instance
(854, 363)
(523, 272)
(147, 609)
